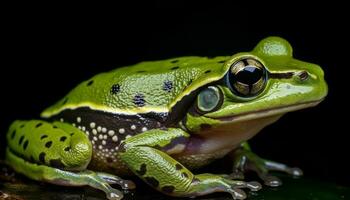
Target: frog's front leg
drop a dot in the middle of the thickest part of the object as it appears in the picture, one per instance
(147, 155)
(57, 153)
(245, 159)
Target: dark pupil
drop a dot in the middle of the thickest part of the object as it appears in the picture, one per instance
(249, 75)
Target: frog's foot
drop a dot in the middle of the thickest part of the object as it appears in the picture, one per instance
(245, 160)
(112, 179)
(208, 183)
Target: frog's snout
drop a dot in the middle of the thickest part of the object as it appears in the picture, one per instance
(313, 76)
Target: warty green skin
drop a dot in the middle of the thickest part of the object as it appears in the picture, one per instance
(144, 119)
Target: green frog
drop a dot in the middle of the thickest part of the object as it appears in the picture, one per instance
(159, 120)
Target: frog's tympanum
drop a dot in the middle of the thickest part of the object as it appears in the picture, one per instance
(160, 119)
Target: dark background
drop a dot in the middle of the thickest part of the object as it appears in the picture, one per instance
(47, 51)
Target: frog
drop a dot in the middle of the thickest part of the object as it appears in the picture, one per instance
(160, 120)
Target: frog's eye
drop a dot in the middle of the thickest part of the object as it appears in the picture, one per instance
(247, 77)
(209, 99)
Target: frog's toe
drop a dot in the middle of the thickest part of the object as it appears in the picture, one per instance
(271, 181)
(238, 193)
(114, 194)
(113, 179)
(275, 166)
(254, 186)
(295, 171)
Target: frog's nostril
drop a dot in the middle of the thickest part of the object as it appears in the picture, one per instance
(304, 75)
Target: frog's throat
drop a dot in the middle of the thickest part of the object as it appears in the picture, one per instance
(236, 129)
(268, 112)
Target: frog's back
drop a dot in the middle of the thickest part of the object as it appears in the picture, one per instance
(152, 86)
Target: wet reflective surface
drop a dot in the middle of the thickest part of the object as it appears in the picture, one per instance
(14, 186)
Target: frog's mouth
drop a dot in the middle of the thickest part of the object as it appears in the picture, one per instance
(268, 112)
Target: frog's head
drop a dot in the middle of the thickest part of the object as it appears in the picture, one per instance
(262, 84)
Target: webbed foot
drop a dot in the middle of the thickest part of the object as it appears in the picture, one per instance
(208, 183)
(246, 160)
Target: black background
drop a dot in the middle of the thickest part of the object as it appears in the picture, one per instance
(47, 50)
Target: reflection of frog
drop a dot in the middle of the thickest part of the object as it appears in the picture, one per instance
(159, 119)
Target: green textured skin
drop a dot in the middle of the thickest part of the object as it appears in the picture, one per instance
(157, 165)
(147, 149)
(33, 133)
(155, 137)
(149, 83)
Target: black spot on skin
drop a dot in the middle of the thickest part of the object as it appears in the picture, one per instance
(13, 134)
(205, 126)
(174, 61)
(178, 166)
(64, 101)
(167, 86)
(71, 134)
(90, 83)
(222, 61)
(21, 140)
(142, 170)
(184, 175)
(48, 144)
(43, 137)
(57, 163)
(38, 125)
(31, 159)
(168, 189)
(67, 149)
(25, 144)
(115, 88)
(139, 100)
(141, 71)
(152, 181)
(42, 157)
(208, 71)
(63, 138)
(54, 126)
(173, 68)
(21, 126)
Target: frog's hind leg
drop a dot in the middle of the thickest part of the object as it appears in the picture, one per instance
(57, 153)
(61, 177)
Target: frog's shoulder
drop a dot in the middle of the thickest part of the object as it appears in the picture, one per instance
(150, 86)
